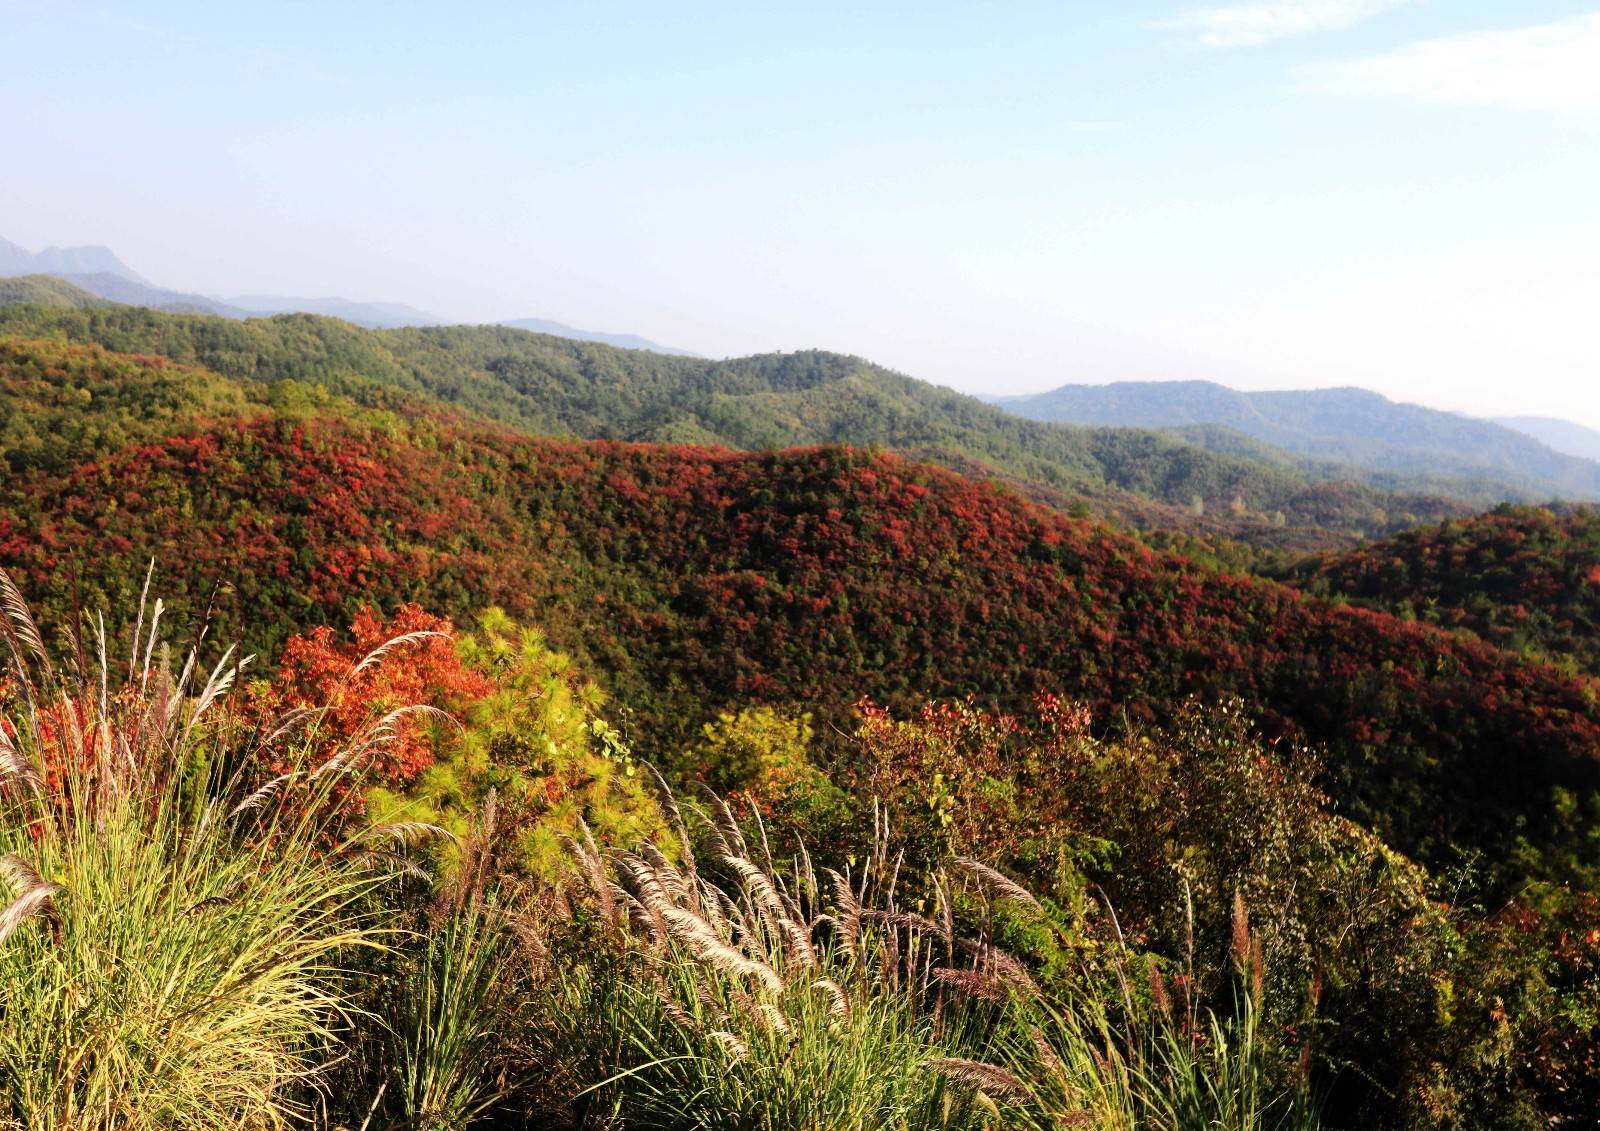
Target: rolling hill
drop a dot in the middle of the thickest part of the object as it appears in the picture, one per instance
(554, 386)
(1522, 578)
(1349, 426)
(693, 578)
(45, 290)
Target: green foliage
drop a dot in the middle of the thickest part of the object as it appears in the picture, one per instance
(1523, 578)
(540, 741)
(44, 290)
(553, 386)
(61, 405)
(173, 945)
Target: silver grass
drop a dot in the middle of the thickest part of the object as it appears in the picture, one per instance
(989, 1078)
(375, 657)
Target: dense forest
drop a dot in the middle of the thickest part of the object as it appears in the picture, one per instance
(1031, 821)
(553, 386)
(1527, 579)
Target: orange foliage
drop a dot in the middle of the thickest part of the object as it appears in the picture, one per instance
(318, 670)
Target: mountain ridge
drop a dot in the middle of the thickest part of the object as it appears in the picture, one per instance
(1344, 423)
(555, 386)
(1564, 436)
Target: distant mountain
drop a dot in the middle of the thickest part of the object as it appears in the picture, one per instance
(16, 260)
(1562, 435)
(377, 315)
(99, 272)
(1346, 425)
(621, 341)
(129, 292)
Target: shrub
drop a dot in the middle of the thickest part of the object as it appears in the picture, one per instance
(172, 954)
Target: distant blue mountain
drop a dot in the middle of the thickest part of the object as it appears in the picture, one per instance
(375, 314)
(98, 271)
(621, 341)
(1562, 435)
(1347, 425)
(63, 261)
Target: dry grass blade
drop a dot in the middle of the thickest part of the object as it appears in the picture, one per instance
(909, 920)
(1047, 1055)
(838, 1000)
(974, 983)
(1001, 964)
(406, 833)
(39, 900)
(379, 860)
(261, 796)
(1002, 884)
(385, 725)
(736, 1049)
(375, 657)
(728, 827)
(222, 678)
(291, 720)
(15, 766)
(34, 896)
(22, 622)
(989, 1078)
(345, 759)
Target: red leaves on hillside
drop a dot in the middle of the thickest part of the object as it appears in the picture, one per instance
(694, 581)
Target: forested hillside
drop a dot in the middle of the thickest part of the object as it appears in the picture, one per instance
(1210, 779)
(694, 579)
(1523, 578)
(553, 386)
(44, 290)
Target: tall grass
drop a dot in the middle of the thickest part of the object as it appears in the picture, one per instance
(724, 992)
(721, 991)
(433, 1051)
(178, 924)
(1180, 1067)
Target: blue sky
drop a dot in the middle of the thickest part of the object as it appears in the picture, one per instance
(999, 197)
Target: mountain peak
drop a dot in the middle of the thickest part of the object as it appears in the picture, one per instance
(86, 260)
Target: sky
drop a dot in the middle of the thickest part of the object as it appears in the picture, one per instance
(1000, 197)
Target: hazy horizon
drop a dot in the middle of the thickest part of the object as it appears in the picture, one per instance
(1390, 194)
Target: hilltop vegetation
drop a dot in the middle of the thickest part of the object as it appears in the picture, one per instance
(44, 290)
(1526, 579)
(694, 579)
(552, 386)
(1265, 861)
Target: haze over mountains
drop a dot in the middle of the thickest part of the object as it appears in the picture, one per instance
(1562, 435)
(1350, 426)
(102, 274)
(1318, 436)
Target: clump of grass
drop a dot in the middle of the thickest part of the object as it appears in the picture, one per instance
(178, 921)
(1181, 1067)
(436, 1050)
(724, 991)
(718, 990)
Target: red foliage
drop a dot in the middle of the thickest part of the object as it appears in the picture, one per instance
(695, 581)
(318, 670)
